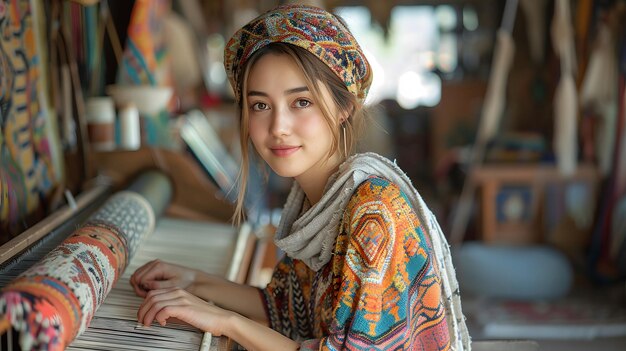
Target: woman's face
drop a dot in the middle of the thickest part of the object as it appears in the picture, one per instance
(286, 124)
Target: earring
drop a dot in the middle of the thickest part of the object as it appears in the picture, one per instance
(345, 143)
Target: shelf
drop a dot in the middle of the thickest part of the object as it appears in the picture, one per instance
(195, 196)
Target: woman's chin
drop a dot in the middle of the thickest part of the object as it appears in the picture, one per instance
(285, 173)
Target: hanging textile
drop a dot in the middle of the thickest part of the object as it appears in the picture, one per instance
(146, 62)
(30, 162)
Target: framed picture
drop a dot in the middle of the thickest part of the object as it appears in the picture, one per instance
(515, 212)
(513, 204)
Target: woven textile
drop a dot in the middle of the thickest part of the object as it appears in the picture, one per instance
(53, 301)
(380, 291)
(30, 159)
(320, 32)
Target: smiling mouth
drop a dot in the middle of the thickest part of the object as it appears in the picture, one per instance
(284, 151)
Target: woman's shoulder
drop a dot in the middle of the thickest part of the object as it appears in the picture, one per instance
(378, 189)
(380, 200)
(379, 222)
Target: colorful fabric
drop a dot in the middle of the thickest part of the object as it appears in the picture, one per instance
(145, 58)
(310, 236)
(381, 290)
(54, 301)
(30, 158)
(146, 61)
(323, 34)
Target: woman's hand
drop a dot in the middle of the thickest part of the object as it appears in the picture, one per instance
(162, 304)
(240, 298)
(161, 275)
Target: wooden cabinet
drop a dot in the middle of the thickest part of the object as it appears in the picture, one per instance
(516, 200)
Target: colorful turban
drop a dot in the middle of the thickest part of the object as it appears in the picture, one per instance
(316, 30)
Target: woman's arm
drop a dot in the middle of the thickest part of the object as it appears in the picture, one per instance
(160, 305)
(243, 299)
(254, 336)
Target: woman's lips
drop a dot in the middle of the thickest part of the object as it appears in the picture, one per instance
(284, 151)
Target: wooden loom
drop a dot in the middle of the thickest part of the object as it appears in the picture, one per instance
(212, 246)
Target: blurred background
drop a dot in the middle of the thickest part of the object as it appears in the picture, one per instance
(508, 116)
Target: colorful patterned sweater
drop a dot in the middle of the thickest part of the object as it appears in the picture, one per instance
(380, 291)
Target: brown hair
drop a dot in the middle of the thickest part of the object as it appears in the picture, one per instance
(316, 73)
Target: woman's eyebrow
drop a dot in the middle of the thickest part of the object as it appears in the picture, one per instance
(296, 90)
(256, 93)
(287, 92)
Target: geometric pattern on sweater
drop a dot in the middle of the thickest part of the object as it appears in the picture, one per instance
(380, 291)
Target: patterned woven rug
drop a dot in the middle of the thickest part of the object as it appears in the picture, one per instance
(584, 316)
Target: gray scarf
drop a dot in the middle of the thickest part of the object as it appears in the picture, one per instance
(310, 237)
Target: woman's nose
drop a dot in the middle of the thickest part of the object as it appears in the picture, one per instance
(281, 122)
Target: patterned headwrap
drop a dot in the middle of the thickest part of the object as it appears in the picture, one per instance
(321, 33)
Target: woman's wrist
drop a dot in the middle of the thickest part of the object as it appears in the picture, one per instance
(255, 336)
(200, 289)
(233, 325)
(192, 288)
(203, 284)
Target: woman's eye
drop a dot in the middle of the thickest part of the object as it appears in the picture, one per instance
(303, 103)
(259, 106)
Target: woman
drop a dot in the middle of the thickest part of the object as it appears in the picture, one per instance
(366, 265)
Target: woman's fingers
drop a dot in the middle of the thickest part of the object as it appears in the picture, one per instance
(141, 270)
(161, 302)
(160, 305)
(159, 284)
(154, 270)
(155, 301)
(154, 275)
(139, 275)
